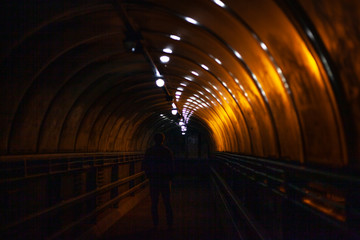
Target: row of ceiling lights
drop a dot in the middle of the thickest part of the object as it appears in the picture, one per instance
(160, 82)
(192, 104)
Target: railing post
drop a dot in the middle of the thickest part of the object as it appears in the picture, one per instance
(131, 172)
(352, 208)
(91, 185)
(114, 177)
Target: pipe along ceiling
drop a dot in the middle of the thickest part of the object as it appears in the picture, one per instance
(268, 78)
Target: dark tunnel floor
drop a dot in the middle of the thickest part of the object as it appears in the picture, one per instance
(194, 215)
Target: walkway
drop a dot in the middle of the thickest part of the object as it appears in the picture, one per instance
(194, 215)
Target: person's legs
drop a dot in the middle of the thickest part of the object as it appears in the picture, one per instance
(154, 193)
(165, 193)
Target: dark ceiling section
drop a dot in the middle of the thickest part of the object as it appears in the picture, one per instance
(265, 78)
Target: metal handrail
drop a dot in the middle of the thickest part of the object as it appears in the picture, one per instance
(71, 202)
(51, 164)
(260, 233)
(283, 174)
(66, 164)
(290, 186)
(63, 155)
(98, 210)
(329, 174)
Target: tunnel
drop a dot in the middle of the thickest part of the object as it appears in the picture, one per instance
(258, 100)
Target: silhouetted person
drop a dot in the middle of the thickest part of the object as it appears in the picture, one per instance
(158, 166)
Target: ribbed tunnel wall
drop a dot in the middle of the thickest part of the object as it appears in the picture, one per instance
(276, 79)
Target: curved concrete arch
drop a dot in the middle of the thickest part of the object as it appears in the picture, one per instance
(248, 71)
(54, 15)
(102, 88)
(282, 85)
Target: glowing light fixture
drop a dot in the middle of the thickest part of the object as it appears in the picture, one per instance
(175, 37)
(174, 111)
(167, 50)
(183, 84)
(180, 89)
(219, 3)
(310, 34)
(195, 73)
(218, 61)
(263, 46)
(164, 59)
(183, 133)
(237, 54)
(160, 82)
(191, 20)
(188, 78)
(205, 67)
(173, 105)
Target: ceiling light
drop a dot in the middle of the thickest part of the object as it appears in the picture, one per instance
(180, 89)
(237, 54)
(189, 78)
(191, 20)
(205, 67)
(219, 3)
(160, 82)
(174, 111)
(263, 46)
(195, 73)
(164, 59)
(175, 37)
(183, 84)
(218, 61)
(167, 50)
(173, 105)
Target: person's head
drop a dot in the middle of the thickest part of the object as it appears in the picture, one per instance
(159, 138)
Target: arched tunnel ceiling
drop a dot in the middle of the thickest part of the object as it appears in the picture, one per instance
(269, 78)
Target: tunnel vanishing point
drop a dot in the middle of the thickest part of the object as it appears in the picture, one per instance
(265, 92)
